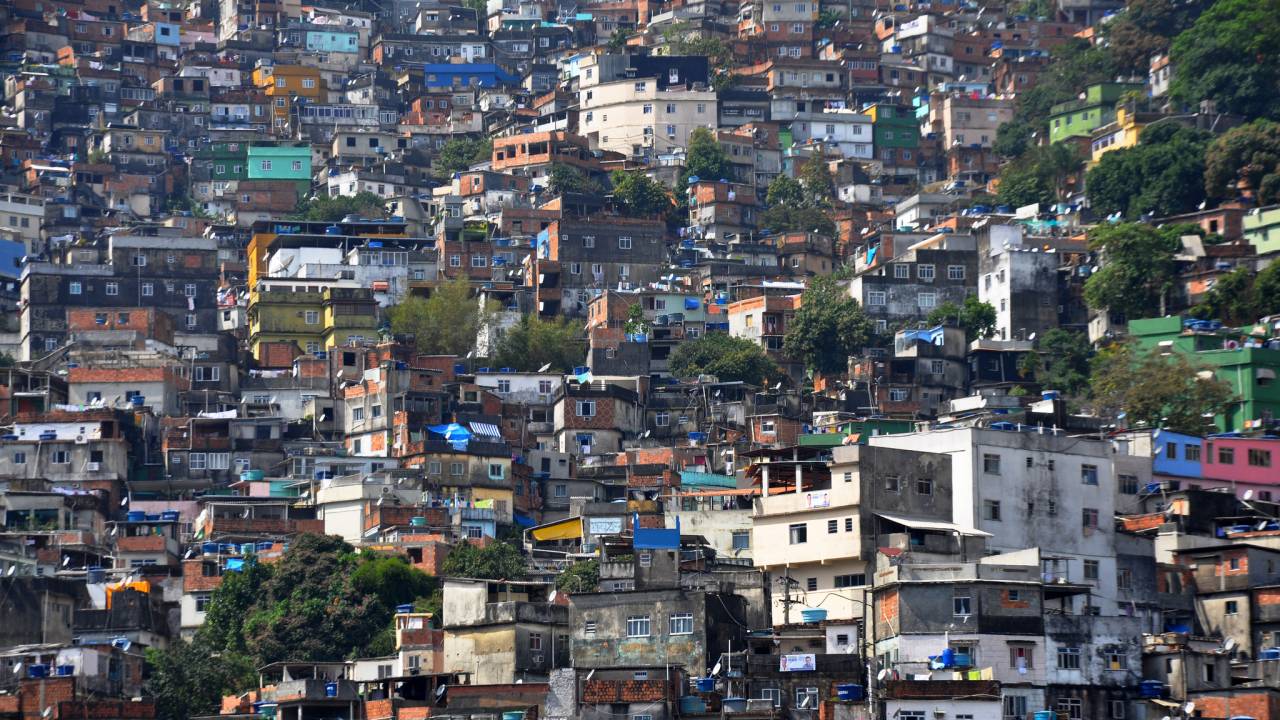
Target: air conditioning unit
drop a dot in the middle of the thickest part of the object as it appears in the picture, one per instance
(92, 467)
(82, 440)
(537, 659)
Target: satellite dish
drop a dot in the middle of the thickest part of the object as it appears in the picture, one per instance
(1189, 708)
(1229, 645)
(545, 367)
(47, 712)
(440, 691)
(124, 501)
(591, 674)
(1248, 495)
(66, 561)
(716, 670)
(10, 571)
(1032, 336)
(17, 668)
(882, 674)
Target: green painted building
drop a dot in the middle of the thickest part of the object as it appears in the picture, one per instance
(1079, 118)
(893, 126)
(1231, 353)
(279, 162)
(1261, 229)
(220, 162)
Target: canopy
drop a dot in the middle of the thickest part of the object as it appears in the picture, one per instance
(567, 529)
(917, 524)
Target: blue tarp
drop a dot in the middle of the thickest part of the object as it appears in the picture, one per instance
(693, 479)
(524, 520)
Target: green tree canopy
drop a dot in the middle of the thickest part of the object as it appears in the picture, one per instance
(1230, 56)
(731, 359)
(445, 323)
(1157, 390)
(1138, 273)
(1063, 361)
(792, 207)
(534, 342)
(569, 179)
(1245, 159)
(495, 561)
(1039, 176)
(638, 195)
(829, 327)
(1160, 176)
(332, 209)
(580, 577)
(705, 159)
(460, 153)
(1073, 66)
(185, 680)
(976, 317)
(1240, 297)
(1146, 28)
(815, 178)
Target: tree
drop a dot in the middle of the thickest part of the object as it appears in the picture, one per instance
(638, 195)
(1267, 289)
(391, 579)
(1245, 159)
(332, 209)
(1229, 56)
(730, 359)
(460, 153)
(580, 577)
(495, 561)
(1073, 66)
(1233, 299)
(568, 179)
(187, 679)
(445, 323)
(829, 327)
(1062, 357)
(815, 178)
(1159, 176)
(534, 342)
(681, 38)
(792, 207)
(705, 160)
(1039, 176)
(1138, 275)
(976, 317)
(1146, 28)
(1158, 391)
(223, 628)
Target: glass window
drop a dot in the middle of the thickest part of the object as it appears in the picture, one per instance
(638, 626)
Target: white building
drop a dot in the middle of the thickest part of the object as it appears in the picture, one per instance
(634, 118)
(1035, 489)
(850, 131)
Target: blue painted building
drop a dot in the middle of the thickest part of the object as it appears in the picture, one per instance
(1175, 454)
(483, 75)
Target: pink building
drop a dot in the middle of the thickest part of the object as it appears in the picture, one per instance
(1248, 463)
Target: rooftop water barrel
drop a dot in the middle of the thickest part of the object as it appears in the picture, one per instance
(136, 516)
(331, 689)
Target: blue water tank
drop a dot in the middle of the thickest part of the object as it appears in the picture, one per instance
(38, 671)
(138, 400)
(1150, 689)
(169, 516)
(406, 608)
(209, 548)
(331, 689)
(815, 615)
(136, 516)
(850, 691)
(1269, 654)
(706, 684)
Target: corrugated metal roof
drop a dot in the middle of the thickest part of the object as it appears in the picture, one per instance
(691, 478)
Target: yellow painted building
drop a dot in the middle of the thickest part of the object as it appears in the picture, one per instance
(1122, 133)
(283, 84)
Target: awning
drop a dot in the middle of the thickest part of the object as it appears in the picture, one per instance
(1165, 703)
(916, 524)
(567, 529)
(483, 428)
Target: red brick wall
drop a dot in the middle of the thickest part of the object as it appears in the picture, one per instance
(1261, 705)
(377, 709)
(278, 354)
(194, 579)
(52, 692)
(142, 543)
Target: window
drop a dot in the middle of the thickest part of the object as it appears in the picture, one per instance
(1128, 484)
(928, 300)
(60, 457)
(741, 539)
(681, 624)
(1073, 708)
(991, 464)
(1191, 452)
(19, 458)
(496, 471)
(75, 288)
(535, 641)
(544, 387)
(902, 271)
(924, 486)
(924, 272)
(1020, 656)
(148, 289)
(833, 526)
(312, 317)
(799, 533)
(848, 524)
(807, 698)
(113, 288)
(1231, 607)
(991, 510)
(586, 408)
(1259, 458)
(191, 320)
(1089, 474)
(892, 483)
(208, 374)
(1015, 706)
(202, 601)
(1068, 658)
(1226, 455)
(197, 461)
(1089, 518)
(961, 603)
(854, 580)
(357, 414)
(876, 297)
(189, 289)
(955, 272)
(638, 626)
(457, 469)
(1116, 660)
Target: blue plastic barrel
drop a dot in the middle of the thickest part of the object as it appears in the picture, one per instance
(331, 689)
(38, 671)
(170, 515)
(138, 400)
(706, 684)
(65, 670)
(137, 516)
